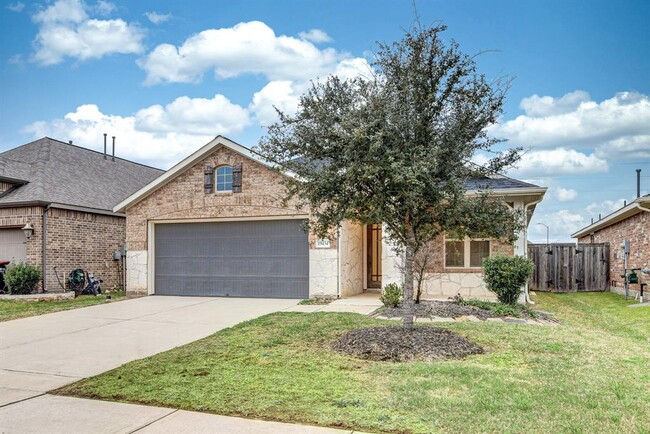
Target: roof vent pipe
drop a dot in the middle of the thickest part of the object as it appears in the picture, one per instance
(638, 183)
(105, 146)
(113, 158)
(70, 142)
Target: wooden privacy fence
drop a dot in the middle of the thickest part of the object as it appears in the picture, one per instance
(569, 268)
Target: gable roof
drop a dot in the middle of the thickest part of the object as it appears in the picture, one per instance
(189, 161)
(498, 184)
(640, 204)
(48, 171)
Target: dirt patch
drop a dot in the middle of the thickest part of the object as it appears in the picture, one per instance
(401, 344)
(447, 309)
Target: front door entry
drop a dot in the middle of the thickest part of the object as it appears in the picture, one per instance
(373, 255)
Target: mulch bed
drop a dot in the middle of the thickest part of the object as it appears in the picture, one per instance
(402, 344)
(446, 309)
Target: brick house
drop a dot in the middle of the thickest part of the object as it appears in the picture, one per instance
(214, 224)
(66, 193)
(632, 222)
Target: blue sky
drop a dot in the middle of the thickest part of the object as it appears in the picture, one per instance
(166, 76)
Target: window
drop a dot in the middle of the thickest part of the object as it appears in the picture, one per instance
(478, 250)
(466, 254)
(224, 178)
(454, 253)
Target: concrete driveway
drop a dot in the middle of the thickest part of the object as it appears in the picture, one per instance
(44, 352)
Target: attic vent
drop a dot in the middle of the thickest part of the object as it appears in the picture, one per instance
(208, 179)
(236, 178)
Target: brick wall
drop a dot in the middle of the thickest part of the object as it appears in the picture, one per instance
(184, 198)
(84, 240)
(74, 240)
(637, 230)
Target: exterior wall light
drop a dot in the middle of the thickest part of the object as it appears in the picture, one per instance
(28, 229)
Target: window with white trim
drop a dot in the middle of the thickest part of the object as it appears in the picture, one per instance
(467, 253)
(223, 178)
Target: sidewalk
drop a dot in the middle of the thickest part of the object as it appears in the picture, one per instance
(50, 414)
(364, 303)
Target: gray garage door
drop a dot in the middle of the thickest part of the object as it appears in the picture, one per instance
(237, 259)
(12, 245)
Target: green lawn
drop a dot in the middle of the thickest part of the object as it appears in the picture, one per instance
(12, 309)
(589, 375)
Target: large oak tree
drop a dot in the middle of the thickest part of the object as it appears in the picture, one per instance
(396, 147)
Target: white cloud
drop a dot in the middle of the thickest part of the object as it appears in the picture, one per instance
(247, 48)
(193, 116)
(16, 7)
(561, 225)
(316, 36)
(66, 30)
(157, 18)
(281, 94)
(542, 106)
(565, 194)
(605, 207)
(559, 161)
(104, 8)
(619, 127)
(137, 139)
(628, 147)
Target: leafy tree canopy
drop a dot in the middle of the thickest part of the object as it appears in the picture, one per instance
(396, 146)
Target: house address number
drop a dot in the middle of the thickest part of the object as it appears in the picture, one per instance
(322, 243)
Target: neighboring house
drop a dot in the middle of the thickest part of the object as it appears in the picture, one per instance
(66, 193)
(632, 222)
(214, 225)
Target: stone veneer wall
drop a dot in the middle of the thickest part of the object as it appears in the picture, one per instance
(352, 256)
(184, 198)
(74, 240)
(637, 230)
(445, 282)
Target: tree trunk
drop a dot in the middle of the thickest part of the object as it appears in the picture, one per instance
(409, 306)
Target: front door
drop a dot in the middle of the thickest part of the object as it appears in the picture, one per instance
(373, 255)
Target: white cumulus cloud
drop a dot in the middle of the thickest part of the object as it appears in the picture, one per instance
(176, 136)
(605, 207)
(66, 30)
(247, 48)
(157, 18)
(559, 161)
(565, 194)
(315, 35)
(561, 225)
(193, 116)
(618, 127)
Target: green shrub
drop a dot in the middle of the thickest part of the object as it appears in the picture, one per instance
(22, 278)
(505, 275)
(391, 295)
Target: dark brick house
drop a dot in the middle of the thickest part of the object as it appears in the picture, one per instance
(67, 194)
(632, 222)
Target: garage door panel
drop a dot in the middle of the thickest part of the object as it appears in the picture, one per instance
(242, 259)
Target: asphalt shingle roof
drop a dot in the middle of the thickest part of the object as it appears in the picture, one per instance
(496, 183)
(58, 172)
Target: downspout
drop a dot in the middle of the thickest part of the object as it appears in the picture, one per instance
(526, 206)
(44, 248)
